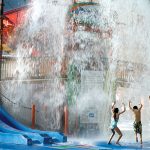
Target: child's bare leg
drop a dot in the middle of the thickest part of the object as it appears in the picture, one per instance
(141, 138)
(111, 136)
(120, 134)
(136, 137)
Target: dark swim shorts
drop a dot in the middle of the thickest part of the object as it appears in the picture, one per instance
(137, 127)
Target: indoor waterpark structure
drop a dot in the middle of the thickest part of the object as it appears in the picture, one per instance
(62, 65)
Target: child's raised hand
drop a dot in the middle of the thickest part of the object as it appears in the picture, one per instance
(113, 103)
(142, 101)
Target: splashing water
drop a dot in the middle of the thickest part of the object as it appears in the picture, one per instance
(89, 52)
(39, 52)
(131, 50)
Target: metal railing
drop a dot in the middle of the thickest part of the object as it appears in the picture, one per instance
(38, 68)
(129, 72)
(42, 68)
(12, 107)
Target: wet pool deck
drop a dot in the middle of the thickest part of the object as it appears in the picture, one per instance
(98, 146)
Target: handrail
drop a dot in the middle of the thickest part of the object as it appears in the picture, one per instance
(7, 98)
(16, 103)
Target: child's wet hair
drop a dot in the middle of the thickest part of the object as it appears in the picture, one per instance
(116, 110)
(135, 107)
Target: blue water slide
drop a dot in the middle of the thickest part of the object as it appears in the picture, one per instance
(9, 138)
(9, 120)
(36, 138)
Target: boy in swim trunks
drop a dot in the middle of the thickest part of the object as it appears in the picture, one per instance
(137, 125)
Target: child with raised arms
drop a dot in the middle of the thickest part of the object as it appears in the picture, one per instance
(137, 125)
(114, 121)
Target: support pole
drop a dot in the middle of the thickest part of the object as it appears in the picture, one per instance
(66, 120)
(1, 42)
(2, 12)
(33, 116)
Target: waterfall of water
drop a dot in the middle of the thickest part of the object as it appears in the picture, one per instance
(131, 54)
(85, 54)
